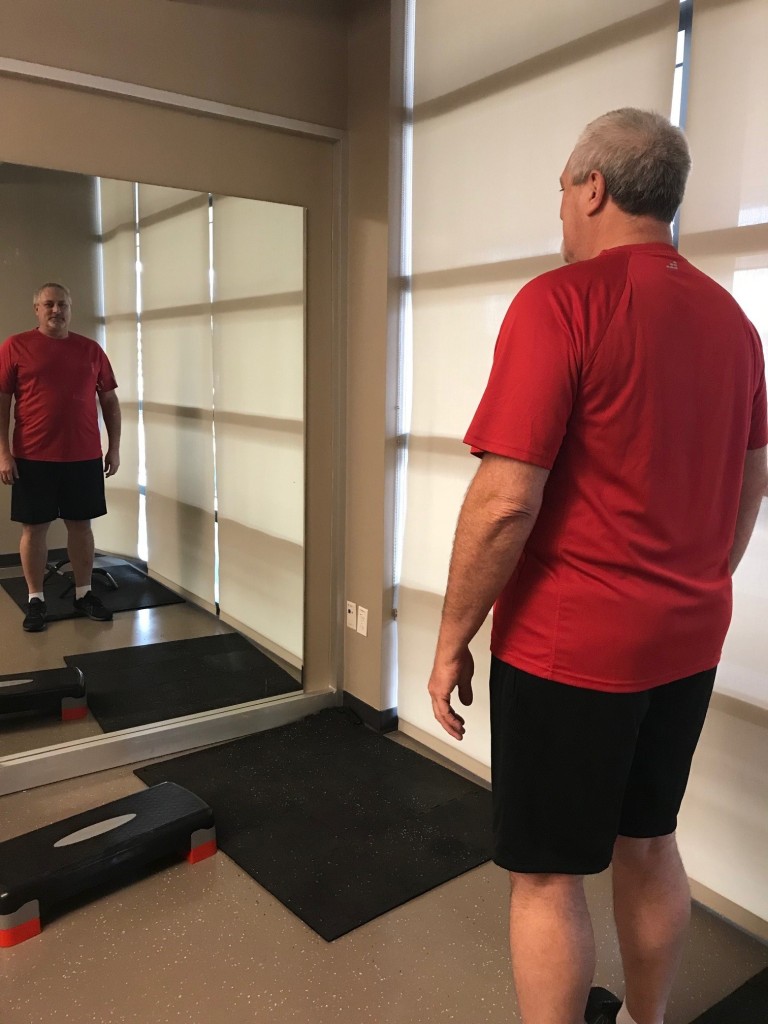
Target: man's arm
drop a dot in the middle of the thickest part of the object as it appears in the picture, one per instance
(110, 410)
(753, 488)
(8, 470)
(495, 521)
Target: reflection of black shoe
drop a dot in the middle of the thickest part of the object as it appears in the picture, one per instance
(34, 620)
(91, 606)
(602, 1007)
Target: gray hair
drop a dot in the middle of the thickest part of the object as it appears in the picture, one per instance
(51, 284)
(644, 159)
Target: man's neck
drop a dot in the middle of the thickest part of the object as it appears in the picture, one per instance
(632, 231)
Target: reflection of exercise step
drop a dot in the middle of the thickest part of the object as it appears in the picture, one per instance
(55, 689)
(43, 867)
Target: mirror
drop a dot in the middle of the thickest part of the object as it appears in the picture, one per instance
(199, 301)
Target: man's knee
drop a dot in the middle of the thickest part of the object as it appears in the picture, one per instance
(638, 852)
(525, 884)
(33, 531)
(78, 526)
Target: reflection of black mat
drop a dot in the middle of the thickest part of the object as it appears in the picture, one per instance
(135, 590)
(135, 685)
(339, 823)
(12, 558)
(747, 1005)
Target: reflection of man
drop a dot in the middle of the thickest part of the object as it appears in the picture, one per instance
(623, 441)
(56, 470)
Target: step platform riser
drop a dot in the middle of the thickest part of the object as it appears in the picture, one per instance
(42, 868)
(202, 845)
(74, 708)
(47, 691)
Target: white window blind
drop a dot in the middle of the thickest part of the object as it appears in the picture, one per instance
(258, 331)
(177, 372)
(500, 98)
(724, 231)
(119, 530)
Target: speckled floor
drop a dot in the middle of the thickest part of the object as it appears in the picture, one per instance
(207, 945)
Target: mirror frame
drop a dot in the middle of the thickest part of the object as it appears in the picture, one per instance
(41, 87)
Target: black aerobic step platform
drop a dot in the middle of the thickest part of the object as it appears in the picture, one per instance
(55, 689)
(57, 861)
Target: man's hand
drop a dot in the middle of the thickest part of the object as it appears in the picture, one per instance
(111, 462)
(8, 470)
(445, 678)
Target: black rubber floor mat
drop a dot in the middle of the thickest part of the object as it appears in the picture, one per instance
(11, 558)
(133, 686)
(338, 822)
(135, 590)
(747, 1005)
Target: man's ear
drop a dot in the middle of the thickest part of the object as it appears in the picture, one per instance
(595, 193)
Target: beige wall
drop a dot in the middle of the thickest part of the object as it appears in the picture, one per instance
(48, 233)
(369, 446)
(286, 58)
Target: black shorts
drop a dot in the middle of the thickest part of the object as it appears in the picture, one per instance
(57, 490)
(573, 768)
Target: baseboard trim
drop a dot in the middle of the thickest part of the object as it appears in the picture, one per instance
(729, 911)
(475, 768)
(381, 721)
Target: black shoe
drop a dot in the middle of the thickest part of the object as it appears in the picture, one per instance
(602, 1007)
(34, 620)
(91, 606)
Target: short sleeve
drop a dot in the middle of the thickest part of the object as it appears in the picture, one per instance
(106, 379)
(530, 393)
(758, 429)
(7, 368)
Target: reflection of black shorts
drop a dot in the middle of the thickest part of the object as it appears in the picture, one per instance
(58, 490)
(573, 768)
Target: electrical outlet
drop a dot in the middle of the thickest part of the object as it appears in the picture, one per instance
(351, 615)
(362, 620)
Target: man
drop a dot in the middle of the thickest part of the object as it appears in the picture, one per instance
(623, 442)
(55, 467)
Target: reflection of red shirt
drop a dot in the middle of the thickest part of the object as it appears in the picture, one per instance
(54, 381)
(640, 383)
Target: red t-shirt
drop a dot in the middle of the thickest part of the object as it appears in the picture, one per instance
(54, 382)
(640, 384)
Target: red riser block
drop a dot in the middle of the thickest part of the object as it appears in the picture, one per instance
(73, 714)
(22, 932)
(202, 852)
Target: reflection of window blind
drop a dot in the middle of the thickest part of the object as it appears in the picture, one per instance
(177, 372)
(724, 231)
(118, 531)
(258, 318)
(498, 107)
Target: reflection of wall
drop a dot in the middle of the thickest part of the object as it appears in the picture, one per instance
(48, 234)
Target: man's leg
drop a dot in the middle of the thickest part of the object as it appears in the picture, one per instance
(33, 550)
(652, 906)
(80, 548)
(652, 902)
(552, 947)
